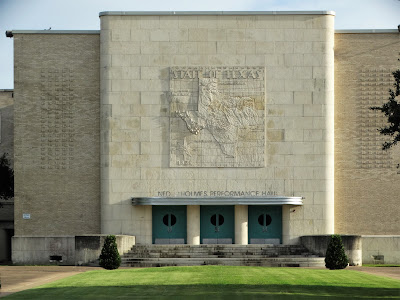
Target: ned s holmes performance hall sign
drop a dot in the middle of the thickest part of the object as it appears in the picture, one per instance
(217, 117)
(217, 193)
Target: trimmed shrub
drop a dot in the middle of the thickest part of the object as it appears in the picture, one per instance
(335, 257)
(109, 257)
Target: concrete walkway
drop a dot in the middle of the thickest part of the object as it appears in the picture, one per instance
(392, 272)
(19, 278)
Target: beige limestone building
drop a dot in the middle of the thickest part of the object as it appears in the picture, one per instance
(203, 128)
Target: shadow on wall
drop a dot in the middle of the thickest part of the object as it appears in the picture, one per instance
(319, 243)
(5, 245)
(64, 250)
(6, 146)
(7, 129)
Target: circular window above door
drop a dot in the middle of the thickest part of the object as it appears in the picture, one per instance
(169, 220)
(264, 220)
(217, 219)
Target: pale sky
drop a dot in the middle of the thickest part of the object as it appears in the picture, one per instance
(84, 14)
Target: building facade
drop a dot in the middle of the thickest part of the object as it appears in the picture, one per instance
(202, 128)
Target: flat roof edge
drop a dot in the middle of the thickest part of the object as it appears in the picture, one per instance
(366, 31)
(6, 90)
(12, 32)
(218, 13)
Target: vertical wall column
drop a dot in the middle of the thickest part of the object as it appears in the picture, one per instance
(241, 224)
(286, 238)
(193, 224)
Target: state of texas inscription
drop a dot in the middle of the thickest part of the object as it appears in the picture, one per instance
(217, 117)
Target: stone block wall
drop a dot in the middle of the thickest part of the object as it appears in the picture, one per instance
(88, 248)
(137, 54)
(366, 177)
(353, 246)
(72, 250)
(57, 128)
(381, 249)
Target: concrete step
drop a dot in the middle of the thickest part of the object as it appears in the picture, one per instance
(226, 246)
(205, 255)
(215, 253)
(272, 259)
(235, 255)
(272, 262)
(215, 247)
(239, 250)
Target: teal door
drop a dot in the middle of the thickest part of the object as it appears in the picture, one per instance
(169, 224)
(217, 224)
(265, 224)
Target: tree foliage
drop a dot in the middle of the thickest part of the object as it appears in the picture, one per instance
(6, 178)
(109, 257)
(391, 109)
(335, 257)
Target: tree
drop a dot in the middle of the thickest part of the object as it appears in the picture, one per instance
(335, 257)
(109, 257)
(6, 178)
(391, 109)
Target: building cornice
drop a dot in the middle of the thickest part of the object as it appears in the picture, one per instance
(10, 33)
(211, 13)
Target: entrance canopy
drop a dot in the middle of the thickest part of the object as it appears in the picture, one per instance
(264, 200)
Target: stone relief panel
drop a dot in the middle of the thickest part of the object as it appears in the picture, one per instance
(56, 118)
(374, 86)
(217, 117)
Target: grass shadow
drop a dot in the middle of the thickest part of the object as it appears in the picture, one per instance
(200, 291)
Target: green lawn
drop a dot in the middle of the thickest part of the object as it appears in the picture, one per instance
(217, 282)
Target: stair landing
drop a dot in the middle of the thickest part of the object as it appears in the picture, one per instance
(233, 255)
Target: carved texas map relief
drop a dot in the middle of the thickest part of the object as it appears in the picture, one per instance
(217, 117)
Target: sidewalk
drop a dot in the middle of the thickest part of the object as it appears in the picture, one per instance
(392, 272)
(18, 278)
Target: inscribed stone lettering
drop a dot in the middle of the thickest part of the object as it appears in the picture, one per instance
(217, 117)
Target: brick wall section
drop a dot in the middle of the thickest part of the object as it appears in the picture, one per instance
(57, 134)
(366, 178)
(7, 123)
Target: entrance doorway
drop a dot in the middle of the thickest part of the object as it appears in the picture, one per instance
(265, 224)
(216, 224)
(169, 224)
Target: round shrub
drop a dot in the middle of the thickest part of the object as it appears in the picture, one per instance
(335, 257)
(109, 257)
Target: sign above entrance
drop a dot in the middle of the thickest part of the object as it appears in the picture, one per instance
(217, 117)
(220, 193)
(267, 200)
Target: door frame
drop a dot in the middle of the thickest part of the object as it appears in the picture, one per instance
(204, 209)
(169, 209)
(275, 211)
